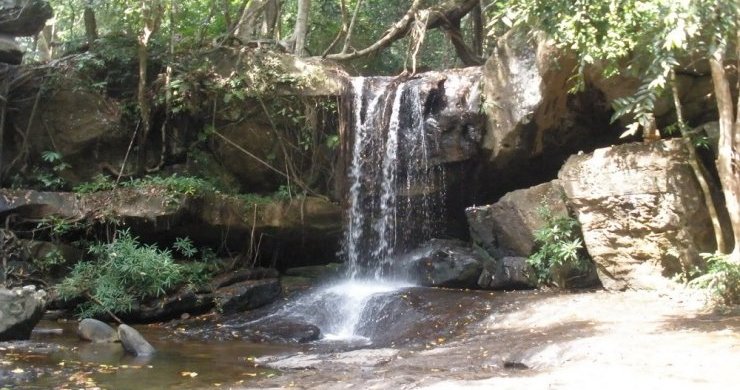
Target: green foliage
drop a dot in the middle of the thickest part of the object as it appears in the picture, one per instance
(47, 175)
(56, 227)
(124, 272)
(722, 279)
(174, 184)
(100, 183)
(185, 246)
(49, 261)
(559, 249)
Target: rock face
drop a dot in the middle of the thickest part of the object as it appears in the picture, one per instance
(133, 342)
(301, 227)
(20, 310)
(96, 331)
(534, 124)
(20, 18)
(641, 211)
(506, 228)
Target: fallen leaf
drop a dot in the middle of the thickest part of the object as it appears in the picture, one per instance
(189, 374)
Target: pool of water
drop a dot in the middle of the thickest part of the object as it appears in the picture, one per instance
(52, 360)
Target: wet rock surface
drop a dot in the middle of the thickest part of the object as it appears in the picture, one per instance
(133, 342)
(20, 310)
(508, 273)
(90, 329)
(444, 263)
(247, 295)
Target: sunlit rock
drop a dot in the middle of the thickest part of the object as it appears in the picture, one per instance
(20, 310)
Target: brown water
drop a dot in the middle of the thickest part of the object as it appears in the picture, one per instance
(62, 361)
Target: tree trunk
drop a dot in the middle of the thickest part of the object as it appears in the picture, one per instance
(247, 25)
(269, 21)
(476, 16)
(91, 24)
(348, 37)
(301, 27)
(728, 156)
(151, 12)
(697, 168)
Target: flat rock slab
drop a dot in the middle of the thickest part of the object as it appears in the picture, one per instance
(247, 295)
(361, 357)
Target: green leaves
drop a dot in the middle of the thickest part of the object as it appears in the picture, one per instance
(559, 249)
(124, 272)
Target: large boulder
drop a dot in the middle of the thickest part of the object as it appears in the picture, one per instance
(507, 227)
(641, 210)
(20, 310)
(444, 263)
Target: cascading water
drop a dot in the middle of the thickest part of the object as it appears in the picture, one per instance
(395, 201)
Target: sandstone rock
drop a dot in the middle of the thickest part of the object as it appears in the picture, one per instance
(509, 273)
(444, 263)
(534, 123)
(641, 211)
(317, 271)
(96, 331)
(23, 17)
(283, 332)
(133, 342)
(247, 295)
(507, 227)
(20, 310)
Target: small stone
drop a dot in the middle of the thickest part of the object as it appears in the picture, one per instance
(133, 342)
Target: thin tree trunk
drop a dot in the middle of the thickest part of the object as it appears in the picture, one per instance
(91, 24)
(728, 156)
(477, 22)
(696, 167)
(348, 37)
(301, 27)
(270, 17)
(151, 12)
(342, 30)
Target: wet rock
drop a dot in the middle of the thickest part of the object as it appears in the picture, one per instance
(247, 295)
(507, 227)
(641, 211)
(444, 263)
(241, 275)
(171, 306)
(360, 357)
(20, 310)
(133, 342)
(317, 271)
(508, 273)
(282, 332)
(90, 329)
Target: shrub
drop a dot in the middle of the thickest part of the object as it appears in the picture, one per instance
(124, 272)
(559, 249)
(722, 279)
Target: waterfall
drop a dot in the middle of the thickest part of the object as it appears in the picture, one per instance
(395, 192)
(403, 133)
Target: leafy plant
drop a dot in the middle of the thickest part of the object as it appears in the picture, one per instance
(49, 261)
(559, 249)
(99, 183)
(185, 246)
(124, 272)
(722, 279)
